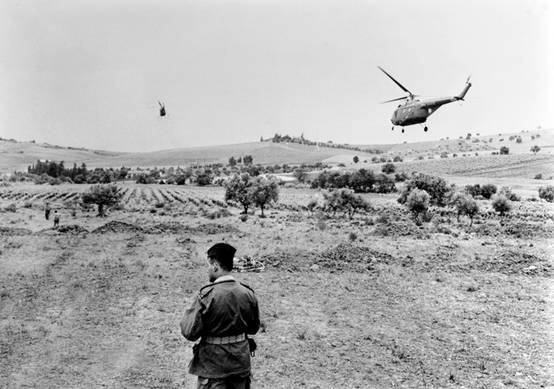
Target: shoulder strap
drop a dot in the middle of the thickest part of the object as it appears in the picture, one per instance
(247, 287)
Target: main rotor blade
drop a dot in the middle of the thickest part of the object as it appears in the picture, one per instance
(390, 101)
(396, 82)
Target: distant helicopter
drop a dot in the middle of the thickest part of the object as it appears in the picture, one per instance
(415, 111)
(162, 109)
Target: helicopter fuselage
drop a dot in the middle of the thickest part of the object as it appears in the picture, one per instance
(416, 111)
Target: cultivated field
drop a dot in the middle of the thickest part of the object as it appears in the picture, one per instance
(371, 302)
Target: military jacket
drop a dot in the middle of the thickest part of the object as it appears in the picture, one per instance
(223, 308)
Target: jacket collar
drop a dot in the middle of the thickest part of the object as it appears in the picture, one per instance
(227, 277)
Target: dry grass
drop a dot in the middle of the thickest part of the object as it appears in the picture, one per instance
(444, 305)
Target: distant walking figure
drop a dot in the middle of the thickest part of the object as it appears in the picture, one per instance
(47, 211)
(56, 219)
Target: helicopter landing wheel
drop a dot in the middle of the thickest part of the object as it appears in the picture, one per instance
(425, 129)
(402, 130)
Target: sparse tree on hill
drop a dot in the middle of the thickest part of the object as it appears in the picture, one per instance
(232, 161)
(102, 196)
(504, 150)
(356, 159)
(535, 149)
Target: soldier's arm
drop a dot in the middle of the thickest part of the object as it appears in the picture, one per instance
(254, 322)
(192, 325)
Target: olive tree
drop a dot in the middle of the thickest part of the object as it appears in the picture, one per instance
(465, 205)
(263, 191)
(102, 196)
(239, 189)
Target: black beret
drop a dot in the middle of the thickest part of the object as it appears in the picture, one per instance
(222, 251)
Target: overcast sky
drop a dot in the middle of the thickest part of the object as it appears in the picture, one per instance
(90, 73)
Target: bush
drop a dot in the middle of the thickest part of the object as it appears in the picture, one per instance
(547, 193)
(300, 174)
(465, 205)
(417, 203)
(436, 187)
(504, 150)
(501, 204)
(538, 176)
(488, 190)
(388, 168)
(535, 149)
(397, 158)
(507, 192)
(204, 179)
(10, 208)
(344, 200)
(401, 177)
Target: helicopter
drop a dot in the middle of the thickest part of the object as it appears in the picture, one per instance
(415, 111)
(162, 109)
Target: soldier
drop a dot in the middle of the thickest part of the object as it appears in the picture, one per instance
(56, 219)
(47, 211)
(222, 315)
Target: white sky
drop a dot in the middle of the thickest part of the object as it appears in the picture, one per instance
(89, 73)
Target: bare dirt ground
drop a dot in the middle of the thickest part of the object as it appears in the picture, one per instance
(373, 302)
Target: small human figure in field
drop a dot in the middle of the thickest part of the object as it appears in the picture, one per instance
(222, 314)
(47, 211)
(56, 219)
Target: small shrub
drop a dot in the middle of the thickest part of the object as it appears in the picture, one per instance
(488, 190)
(538, 176)
(388, 168)
(417, 203)
(507, 192)
(465, 205)
(10, 208)
(504, 150)
(547, 193)
(352, 236)
(27, 204)
(501, 204)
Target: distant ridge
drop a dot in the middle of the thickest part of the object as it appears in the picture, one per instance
(18, 155)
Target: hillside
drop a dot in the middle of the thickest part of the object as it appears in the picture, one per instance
(19, 155)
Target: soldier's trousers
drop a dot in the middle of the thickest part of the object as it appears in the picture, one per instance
(234, 382)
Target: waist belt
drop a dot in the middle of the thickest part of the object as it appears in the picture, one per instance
(224, 339)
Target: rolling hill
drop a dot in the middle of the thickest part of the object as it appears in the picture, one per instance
(467, 156)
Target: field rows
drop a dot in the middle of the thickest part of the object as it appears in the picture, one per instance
(143, 196)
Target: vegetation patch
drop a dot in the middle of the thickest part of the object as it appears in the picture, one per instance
(118, 227)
